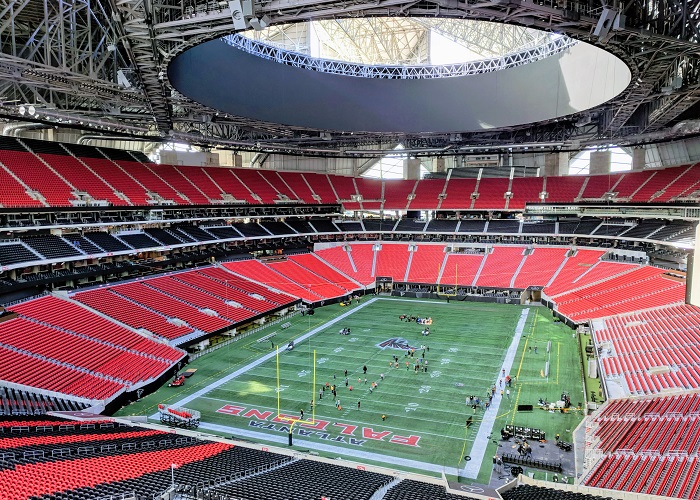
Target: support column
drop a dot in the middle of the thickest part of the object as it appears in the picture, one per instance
(440, 165)
(600, 162)
(556, 164)
(639, 159)
(692, 283)
(411, 169)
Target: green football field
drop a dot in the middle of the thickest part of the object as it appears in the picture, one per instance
(237, 391)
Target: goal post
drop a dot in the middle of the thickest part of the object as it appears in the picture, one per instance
(286, 418)
(443, 293)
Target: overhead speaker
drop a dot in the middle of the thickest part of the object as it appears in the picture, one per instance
(605, 23)
(239, 22)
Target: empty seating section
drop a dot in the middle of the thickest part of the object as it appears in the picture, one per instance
(370, 189)
(83, 244)
(503, 226)
(138, 240)
(71, 317)
(665, 476)
(274, 227)
(563, 189)
(500, 266)
(227, 291)
(654, 189)
(574, 267)
(106, 242)
(372, 225)
(396, 193)
(298, 185)
(459, 193)
(472, 226)
(14, 253)
(664, 338)
(362, 256)
(250, 229)
(153, 184)
(324, 226)
(649, 446)
(223, 232)
(319, 267)
(539, 267)
(254, 270)
(199, 178)
(409, 489)
(683, 187)
(130, 313)
(197, 298)
(411, 225)
(35, 174)
(426, 194)
(491, 193)
(598, 185)
(310, 479)
(82, 178)
(14, 194)
(162, 236)
(22, 440)
(255, 181)
(51, 246)
(180, 183)
(227, 181)
(246, 285)
(283, 193)
(642, 288)
(119, 180)
(140, 293)
(426, 263)
(461, 267)
(96, 357)
(105, 179)
(610, 229)
(629, 184)
(524, 190)
(345, 188)
(392, 260)
(350, 226)
(528, 492)
(317, 284)
(321, 186)
(338, 258)
(585, 226)
(442, 226)
(301, 226)
(602, 270)
(97, 472)
(193, 233)
(643, 229)
(31, 371)
(538, 227)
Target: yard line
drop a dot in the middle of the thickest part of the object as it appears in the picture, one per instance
(262, 359)
(478, 451)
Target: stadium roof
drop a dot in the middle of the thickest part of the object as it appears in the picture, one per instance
(102, 66)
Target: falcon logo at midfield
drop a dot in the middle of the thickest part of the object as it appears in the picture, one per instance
(395, 343)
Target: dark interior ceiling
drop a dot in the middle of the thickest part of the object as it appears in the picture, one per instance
(104, 63)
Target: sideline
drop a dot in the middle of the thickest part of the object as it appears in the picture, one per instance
(478, 451)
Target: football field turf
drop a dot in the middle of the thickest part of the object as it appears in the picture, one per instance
(237, 391)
